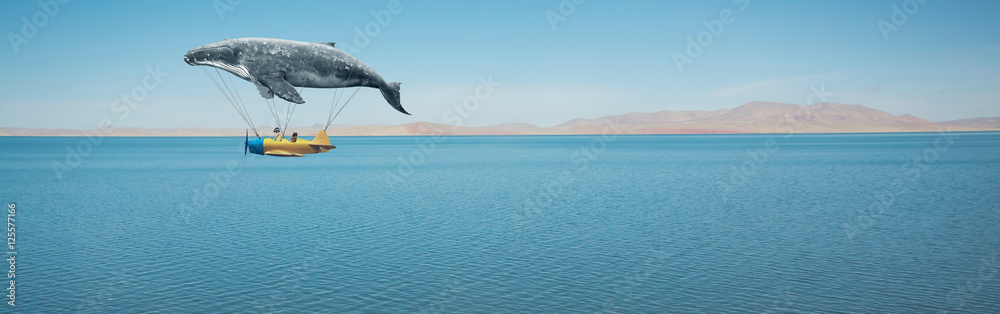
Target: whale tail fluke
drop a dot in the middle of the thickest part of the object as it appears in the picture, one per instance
(391, 93)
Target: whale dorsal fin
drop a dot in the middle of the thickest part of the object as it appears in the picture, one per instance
(329, 43)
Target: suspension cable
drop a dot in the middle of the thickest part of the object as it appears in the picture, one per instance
(274, 111)
(337, 98)
(328, 122)
(240, 102)
(242, 115)
(272, 107)
(333, 106)
(288, 116)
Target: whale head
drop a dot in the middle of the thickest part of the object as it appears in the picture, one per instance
(226, 55)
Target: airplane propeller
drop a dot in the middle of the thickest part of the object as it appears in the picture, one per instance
(246, 144)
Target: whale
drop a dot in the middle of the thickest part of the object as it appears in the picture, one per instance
(277, 66)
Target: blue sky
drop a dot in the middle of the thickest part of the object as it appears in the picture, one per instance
(603, 58)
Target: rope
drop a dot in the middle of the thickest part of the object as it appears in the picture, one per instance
(288, 117)
(337, 95)
(344, 106)
(337, 98)
(290, 113)
(274, 111)
(240, 97)
(333, 106)
(356, 89)
(242, 104)
(231, 102)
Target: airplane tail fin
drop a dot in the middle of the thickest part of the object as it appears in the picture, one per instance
(322, 140)
(391, 94)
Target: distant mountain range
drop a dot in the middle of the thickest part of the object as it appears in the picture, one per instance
(753, 117)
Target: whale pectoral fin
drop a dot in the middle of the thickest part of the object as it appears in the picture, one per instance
(279, 86)
(264, 91)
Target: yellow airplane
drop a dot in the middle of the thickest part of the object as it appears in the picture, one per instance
(286, 148)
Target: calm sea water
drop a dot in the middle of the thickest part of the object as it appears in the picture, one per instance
(676, 223)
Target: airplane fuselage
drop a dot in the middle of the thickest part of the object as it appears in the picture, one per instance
(286, 148)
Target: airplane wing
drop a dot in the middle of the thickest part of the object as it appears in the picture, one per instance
(281, 153)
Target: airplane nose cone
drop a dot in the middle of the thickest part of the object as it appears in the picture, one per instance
(256, 146)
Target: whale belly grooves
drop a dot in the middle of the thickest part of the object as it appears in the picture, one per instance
(238, 70)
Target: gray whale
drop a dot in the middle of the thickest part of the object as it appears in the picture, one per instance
(277, 66)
